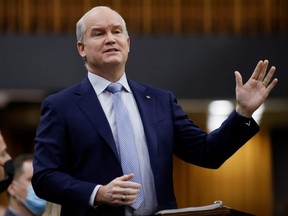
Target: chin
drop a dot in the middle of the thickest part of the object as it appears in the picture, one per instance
(114, 61)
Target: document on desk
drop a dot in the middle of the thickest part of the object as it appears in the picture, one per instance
(215, 205)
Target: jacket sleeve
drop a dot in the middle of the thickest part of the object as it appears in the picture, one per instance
(51, 180)
(210, 150)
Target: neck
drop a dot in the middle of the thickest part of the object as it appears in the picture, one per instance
(113, 74)
(19, 208)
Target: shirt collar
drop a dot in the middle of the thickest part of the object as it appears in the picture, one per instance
(99, 83)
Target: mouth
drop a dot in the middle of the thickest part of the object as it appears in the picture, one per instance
(111, 50)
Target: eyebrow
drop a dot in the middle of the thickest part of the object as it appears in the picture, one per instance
(98, 28)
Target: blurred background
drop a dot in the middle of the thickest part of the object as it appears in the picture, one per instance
(191, 47)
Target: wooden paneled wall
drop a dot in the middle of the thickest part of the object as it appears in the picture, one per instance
(236, 17)
(243, 182)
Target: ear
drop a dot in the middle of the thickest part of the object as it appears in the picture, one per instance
(11, 189)
(128, 42)
(81, 50)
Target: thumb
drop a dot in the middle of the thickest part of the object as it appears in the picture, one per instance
(238, 79)
(126, 177)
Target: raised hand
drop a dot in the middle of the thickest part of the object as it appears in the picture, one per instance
(253, 93)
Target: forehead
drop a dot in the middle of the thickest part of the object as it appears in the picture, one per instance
(103, 18)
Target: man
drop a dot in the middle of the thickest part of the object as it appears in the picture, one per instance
(6, 169)
(78, 151)
(22, 199)
(6, 166)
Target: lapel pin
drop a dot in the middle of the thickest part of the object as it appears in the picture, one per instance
(147, 97)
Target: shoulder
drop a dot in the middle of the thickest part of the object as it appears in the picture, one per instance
(141, 86)
(67, 94)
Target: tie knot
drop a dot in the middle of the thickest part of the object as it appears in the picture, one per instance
(114, 87)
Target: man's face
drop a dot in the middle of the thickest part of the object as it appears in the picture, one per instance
(20, 184)
(4, 156)
(106, 43)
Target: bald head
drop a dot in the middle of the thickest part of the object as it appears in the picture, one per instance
(81, 25)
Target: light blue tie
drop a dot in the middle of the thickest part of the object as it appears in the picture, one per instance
(125, 140)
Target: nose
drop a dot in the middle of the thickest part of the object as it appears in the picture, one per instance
(110, 39)
(6, 156)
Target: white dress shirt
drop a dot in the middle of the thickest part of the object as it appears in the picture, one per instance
(100, 84)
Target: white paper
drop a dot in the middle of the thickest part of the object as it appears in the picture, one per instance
(217, 204)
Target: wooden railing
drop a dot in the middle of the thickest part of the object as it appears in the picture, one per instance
(236, 17)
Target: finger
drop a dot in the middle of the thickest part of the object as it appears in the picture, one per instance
(263, 70)
(127, 199)
(269, 75)
(257, 70)
(238, 79)
(131, 191)
(126, 177)
(126, 183)
(271, 85)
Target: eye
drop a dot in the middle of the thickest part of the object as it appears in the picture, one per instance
(117, 31)
(98, 33)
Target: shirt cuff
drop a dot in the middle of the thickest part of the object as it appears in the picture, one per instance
(246, 120)
(93, 195)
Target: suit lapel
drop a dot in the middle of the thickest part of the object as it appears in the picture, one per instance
(146, 105)
(88, 102)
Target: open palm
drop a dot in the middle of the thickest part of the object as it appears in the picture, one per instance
(253, 93)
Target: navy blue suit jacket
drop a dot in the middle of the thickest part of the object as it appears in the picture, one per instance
(75, 149)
